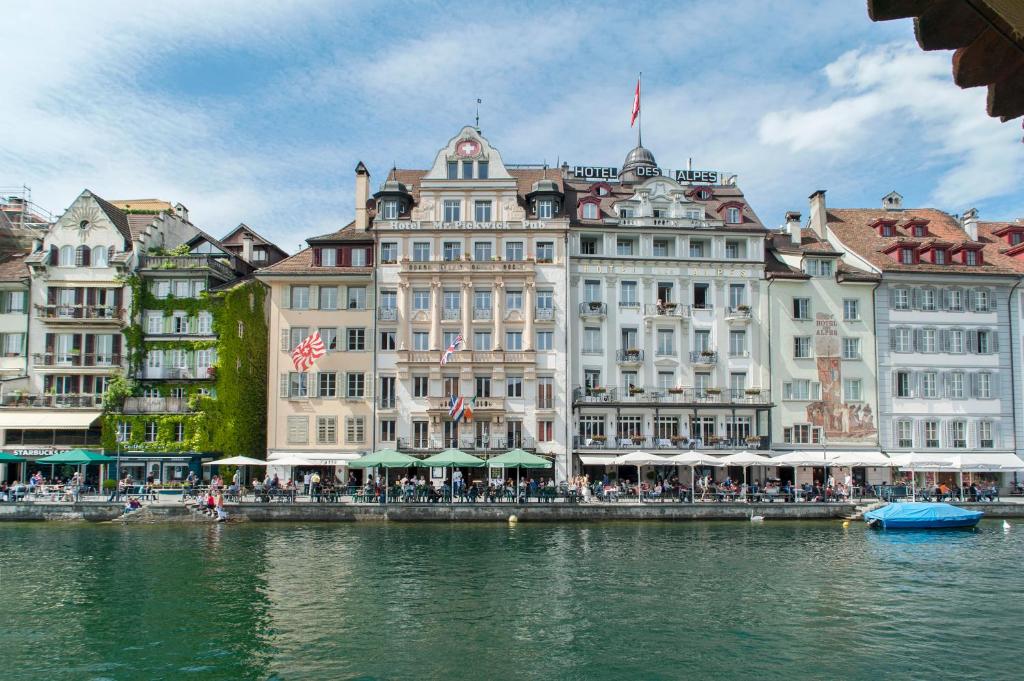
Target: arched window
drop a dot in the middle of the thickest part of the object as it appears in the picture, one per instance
(99, 256)
(589, 211)
(67, 256)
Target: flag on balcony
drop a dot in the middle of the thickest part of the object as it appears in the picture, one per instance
(308, 351)
(457, 408)
(467, 410)
(456, 345)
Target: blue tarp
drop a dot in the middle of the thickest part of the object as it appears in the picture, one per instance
(923, 516)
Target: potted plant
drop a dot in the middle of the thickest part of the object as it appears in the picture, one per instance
(743, 308)
(752, 391)
(211, 372)
(598, 390)
(707, 353)
(635, 390)
(753, 439)
(633, 352)
(713, 391)
(599, 438)
(669, 306)
(595, 305)
(676, 439)
(678, 390)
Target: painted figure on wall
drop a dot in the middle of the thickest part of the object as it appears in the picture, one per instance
(840, 422)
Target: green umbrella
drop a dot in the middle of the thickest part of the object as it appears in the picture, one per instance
(7, 457)
(519, 458)
(450, 458)
(76, 457)
(385, 458)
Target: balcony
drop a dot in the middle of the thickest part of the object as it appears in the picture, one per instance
(688, 396)
(479, 404)
(177, 373)
(672, 443)
(491, 444)
(387, 314)
(738, 315)
(387, 402)
(155, 405)
(629, 356)
(451, 315)
(671, 310)
(200, 261)
(72, 314)
(704, 357)
(545, 314)
(593, 310)
(482, 314)
(468, 357)
(77, 360)
(65, 401)
(466, 266)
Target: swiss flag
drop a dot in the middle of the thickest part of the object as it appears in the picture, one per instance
(636, 104)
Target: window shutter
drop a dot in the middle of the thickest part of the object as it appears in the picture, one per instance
(993, 342)
(972, 341)
(24, 301)
(51, 296)
(918, 340)
(283, 387)
(915, 298)
(90, 296)
(286, 297)
(116, 348)
(944, 299)
(892, 339)
(90, 349)
(118, 298)
(974, 385)
(49, 343)
(79, 297)
(285, 338)
(944, 342)
(4, 307)
(344, 256)
(314, 297)
(24, 344)
(914, 382)
(895, 378)
(993, 307)
(969, 294)
(317, 257)
(47, 383)
(993, 386)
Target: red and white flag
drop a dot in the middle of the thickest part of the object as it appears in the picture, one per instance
(636, 104)
(308, 351)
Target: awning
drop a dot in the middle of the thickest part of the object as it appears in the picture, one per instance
(49, 418)
(595, 460)
(989, 462)
(316, 458)
(858, 458)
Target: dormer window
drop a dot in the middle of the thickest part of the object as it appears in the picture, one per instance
(732, 215)
(467, 170)
(817, 267)
(482, 170)
(328, 257)
(389, 209)
(660, 213)
(589, 211)
(1016, 238)
(626, 213)
(919, 231)
(907, 256)
(970, 257)
(545, 209)
(602, 189)
(453, 170)
(939, 256)
(704, 194)
(888, 230)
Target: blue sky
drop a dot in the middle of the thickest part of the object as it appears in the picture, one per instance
(258, 111)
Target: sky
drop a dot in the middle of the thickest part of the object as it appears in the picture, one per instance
(258, 112)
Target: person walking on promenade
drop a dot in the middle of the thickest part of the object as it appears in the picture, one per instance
(307, 482)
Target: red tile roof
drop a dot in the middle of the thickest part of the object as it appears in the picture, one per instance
(13, 267)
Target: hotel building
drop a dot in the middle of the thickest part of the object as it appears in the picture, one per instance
(666, 293)
(475, 248)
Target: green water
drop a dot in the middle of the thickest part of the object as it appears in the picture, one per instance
(430, 601)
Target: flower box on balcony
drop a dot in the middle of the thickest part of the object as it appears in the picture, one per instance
(743, 308)
(707, 353)
(752, 391)
(599, 438)
(754, 440)
(633, 390)
(713, 440)
(669, 306)
(595, 306)
(676, 439)
(677, 391)
(713, 391)
(633, 351)
(545, 261)
(597, 390)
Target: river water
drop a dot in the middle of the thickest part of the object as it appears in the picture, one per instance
(724, 600)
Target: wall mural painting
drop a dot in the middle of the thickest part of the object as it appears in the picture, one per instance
(840, 422)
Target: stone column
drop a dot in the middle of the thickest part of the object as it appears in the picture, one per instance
(404, 318)
(435, 315)
(499, 314)
(531, 312)
(467, 312)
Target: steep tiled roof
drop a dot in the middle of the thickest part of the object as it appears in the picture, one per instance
(302, 263)
(852, 227)
(780, 242)
(118, 217)
(13, 267)
(346, 233)
(1012, 255)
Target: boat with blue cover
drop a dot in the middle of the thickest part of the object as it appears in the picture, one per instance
(921, 516)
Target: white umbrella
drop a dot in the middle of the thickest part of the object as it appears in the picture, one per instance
(915, 461)
(746, 459)
(694, 459)
(640, 459)
(237, 461)
(291, 461)
(798, 458)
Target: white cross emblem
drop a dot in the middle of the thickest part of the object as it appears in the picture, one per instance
(468, 148)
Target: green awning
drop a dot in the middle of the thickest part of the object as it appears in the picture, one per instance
(454, 457)
(7, 457)
(519, 458)
(76, 457)
(385, 458)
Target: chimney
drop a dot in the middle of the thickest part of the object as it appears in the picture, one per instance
(818, 213)
(793, 226)
(970, 223)
(892, 201)
(181, 211)
(247, 247)
(362, 197)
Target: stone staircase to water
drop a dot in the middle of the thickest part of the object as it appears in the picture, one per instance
(859, 511)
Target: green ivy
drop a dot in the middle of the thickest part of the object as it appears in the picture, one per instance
(191, 345)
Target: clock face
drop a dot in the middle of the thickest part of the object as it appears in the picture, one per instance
(467, 148)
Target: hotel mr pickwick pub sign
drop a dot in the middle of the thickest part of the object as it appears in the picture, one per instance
(604, 173)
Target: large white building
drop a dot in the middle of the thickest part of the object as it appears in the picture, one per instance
(471, 247)
(666, 289)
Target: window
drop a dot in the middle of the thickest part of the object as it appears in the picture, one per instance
(545, 392)
(300, 298)
(453, 170)
(545, 209)
(929, 384)
(329, 335)
(592, 291)
(12, 344)
(589, 211)
(588, 246)
(851, 348)
(482, 385)
(514, 340)
(931, 433)
(421, 251)
(738, 343)
(955, 300)
(928, 340)
(298, 384)
(623, 247)
(356, 297)
(389, 209)
(389, 252)
(67, 256)
(387, 392)
(482, 211)
(298, 430)
(661, 248)
(513, 250)
(514, 386)
(545, 251)
(907, 256)
(355, 429)
(388, 430)
(420, 340)
(666, 342)
(732, 215)
(151, 431)
(981, 300)
(904, 434)
(666, 380)
(985, 439)
(513, 299)
(958, 434)
(984, 342)
(697, 248)
(801, 434)
(297, 335)
(327, 384)
(545, 340)
(983, 386)
(851, 309)
(901, 384)
(955, 385)
(816, 267)
(591, 426)
(452, 210)
(359, 257)
(735, 249)
(154, 323)
(326, 430)
(355, 385)
(901, 299)
(701, 297)
(545, 430)
(970, 258)
(802, 308)
(482, 250)
(467, 170)
(737, 295)
(592, 378)
(421, 299)
(902, 340)
(956, 341)
(99, 256)
(592, 340)
(420, 386)
(801, 389)
(451, 250)
(328, 257)
(387, 340)
(852, 390)
(701, 340)
(482, 341)
(939, 256)
(482, 170)
(927, 297)
(801, 347)
(628, 296)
